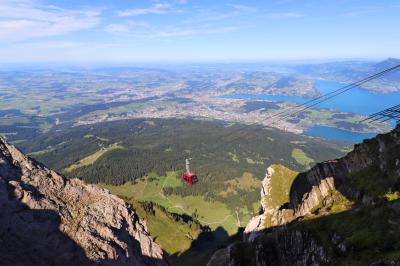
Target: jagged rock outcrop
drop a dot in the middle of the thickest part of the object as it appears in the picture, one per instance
(279, 247)
(368, 176)
(256, 223)
(311, 188)
(46, 219)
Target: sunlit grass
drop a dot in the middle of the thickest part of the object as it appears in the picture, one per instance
(91, 159)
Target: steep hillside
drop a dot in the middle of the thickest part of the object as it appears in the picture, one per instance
(46, 219)
(173, 232)
(341, 212)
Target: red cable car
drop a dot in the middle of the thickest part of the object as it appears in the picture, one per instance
(189, 177)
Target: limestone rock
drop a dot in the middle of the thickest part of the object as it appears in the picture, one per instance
(46, 219)
(257, 223)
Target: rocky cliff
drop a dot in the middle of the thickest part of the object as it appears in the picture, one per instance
(46, 219)
(340, 212)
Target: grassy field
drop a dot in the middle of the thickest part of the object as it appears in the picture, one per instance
(177, 237)
(301, 157)
(210, 213)
(37, 153)
(93, 157)
(247, 182)
(174, 236)
(281, 182)
(4, 121)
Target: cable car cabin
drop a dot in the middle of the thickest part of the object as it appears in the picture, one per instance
(190, 178)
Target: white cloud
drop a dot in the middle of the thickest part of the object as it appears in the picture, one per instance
(201, 22)
(158, 8)
(284, 15)
(242, 7)
(117, 28)
(187, 32)
(209, 17)
(26, 19)
(359, 12)
(135, 30)
(50, 51)
(51, 45)
(14, 25)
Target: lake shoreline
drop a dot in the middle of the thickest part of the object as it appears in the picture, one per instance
(356, 101)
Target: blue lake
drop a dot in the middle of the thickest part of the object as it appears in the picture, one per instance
(355, 100)
(332, 133)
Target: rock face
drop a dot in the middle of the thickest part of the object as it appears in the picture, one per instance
(286, 235)
(256, 223)
(46, 219)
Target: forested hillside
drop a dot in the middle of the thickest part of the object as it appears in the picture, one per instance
(132, 148)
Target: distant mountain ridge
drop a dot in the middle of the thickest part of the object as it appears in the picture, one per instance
(46, 219)
(390, 62)
(352, 71)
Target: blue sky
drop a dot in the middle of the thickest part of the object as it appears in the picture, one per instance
(197, 30)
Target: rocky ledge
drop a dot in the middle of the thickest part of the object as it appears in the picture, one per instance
(46, 219)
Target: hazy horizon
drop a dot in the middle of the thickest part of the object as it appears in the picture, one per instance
(277, 63)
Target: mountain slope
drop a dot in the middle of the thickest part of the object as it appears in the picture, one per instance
(341, 212)
(229, 159)
(352, 71)
(47, 219)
